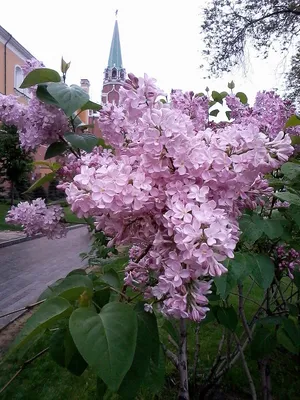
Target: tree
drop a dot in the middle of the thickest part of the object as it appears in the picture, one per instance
(15, 163)
(292, 79)
(229, 24)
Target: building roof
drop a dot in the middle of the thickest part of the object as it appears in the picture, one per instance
(115, 56)
(7, 37)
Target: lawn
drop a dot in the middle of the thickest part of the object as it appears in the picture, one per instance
(4, 208)
(3, 225)
(45, 380)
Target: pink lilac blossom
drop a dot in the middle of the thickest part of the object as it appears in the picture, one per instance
(269, 112)
(174, 188)
(38, 218)
(37, 123)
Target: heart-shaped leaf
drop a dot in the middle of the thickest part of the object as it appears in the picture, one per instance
(107, 340)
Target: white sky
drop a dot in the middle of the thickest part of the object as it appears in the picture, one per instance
(159, 37)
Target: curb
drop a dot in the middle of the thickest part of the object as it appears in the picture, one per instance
(26, 239)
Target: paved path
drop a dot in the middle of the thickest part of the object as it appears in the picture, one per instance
(27, 268)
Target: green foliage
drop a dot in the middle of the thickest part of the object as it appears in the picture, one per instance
(15, 163)
(263, 343)
(83, 141)
(69, 98)
(64, 352)
(47, 314)
(43, 95)
(242, 97)
(226, 316)
(55, 149)
(40, 75)
(262, 270)
(107, 340)
(90, 105)
(44, 179)
(147, 346)
(73, 286)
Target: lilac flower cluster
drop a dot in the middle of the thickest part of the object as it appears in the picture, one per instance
(36, 217)
(288, 259)
(269, 112)
(37, 123)
(174, 188)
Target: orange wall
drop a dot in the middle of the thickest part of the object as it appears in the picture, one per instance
(11, 61)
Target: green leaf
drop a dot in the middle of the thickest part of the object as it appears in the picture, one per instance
(286, 342)
(292, 121)
(55, 149)
(155, 377)
(40, 182)
(64, 66)
(228, 115)
(242, 97)
(101, 295)
(231, 85)
(263, 270)
(270, 321)
(147, 341)
(70, 98)
(78, 271)
(73, 286)
(83, 141)
(101, 389)
(263, 342)
(226, 316)
(46, 315)
(199, 94)
(273, 228)
(293, 310)
(214, 113)
(291, 170)
(169, 327)
(287, 196)
(297, 278)
(47, 293)
(241, 266)
(295, 140)
(90, 105)
(107, 340)
(40, 75)
(251, 227)
(43, 95)
(225, 283)
(217, 97)
(64, 352)
(292, 331)
(111, 277)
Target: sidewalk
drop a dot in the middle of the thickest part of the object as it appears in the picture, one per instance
(9, 236)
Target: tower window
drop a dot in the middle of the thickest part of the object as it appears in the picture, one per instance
(114, 73)
(122, 75)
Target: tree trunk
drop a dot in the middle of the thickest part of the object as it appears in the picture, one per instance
(183, 367)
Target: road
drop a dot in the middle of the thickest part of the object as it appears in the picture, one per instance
(27, 268)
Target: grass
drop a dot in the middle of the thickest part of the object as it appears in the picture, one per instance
(4, 208)
(45, 380)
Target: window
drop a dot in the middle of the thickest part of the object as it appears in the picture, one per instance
(18, 78)
(114, 73)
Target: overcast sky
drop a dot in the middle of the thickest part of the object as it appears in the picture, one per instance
(159, 37)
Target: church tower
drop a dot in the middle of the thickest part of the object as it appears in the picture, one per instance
(114, 73)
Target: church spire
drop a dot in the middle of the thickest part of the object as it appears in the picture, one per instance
(114, 73)
(115, 55)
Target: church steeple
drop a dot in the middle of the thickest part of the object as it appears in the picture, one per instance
(114, 73)
(115, 55)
